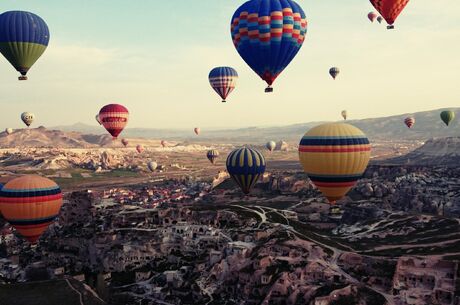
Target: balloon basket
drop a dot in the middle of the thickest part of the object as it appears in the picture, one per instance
(268, 89)
(390, 27)
(22, 77)
(224, 101)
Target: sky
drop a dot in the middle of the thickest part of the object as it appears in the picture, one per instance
(154, 57)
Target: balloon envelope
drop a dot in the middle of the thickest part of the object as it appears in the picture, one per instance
(380, 19)
(268, 34)
(212, 155)
(389, 9)
(114, 118)
(124, 142)
(24, 37)
(152, 166)
(223, 81)
(334, 71)
(163, 143)
(197, 130)
(334, 156)
(9, 131)
(139, 148)
(409, 121)
(27, 118)
(271, 145)
(30, 204)
(372, 16)
(447, 117)
(245, 166)
(344, 114)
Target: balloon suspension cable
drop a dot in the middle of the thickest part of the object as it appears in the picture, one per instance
(22, 77)
(390, 27)
(269, 89)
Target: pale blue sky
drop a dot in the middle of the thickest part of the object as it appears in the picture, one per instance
(154, 57)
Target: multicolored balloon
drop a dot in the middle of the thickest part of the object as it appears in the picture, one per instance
(98, 120)
(389, 9)
(27, 118)
(114, 118)
(197, 130)
(139, 148)
(24, 37)
(447, 117)
(212, 155)
(124, 142)
(268, 34)
(30, 204)
(152, 165)
(344, 114)
(334, 71)
(372, 16)
(271, 145)
(334, 156)
(223, 81)
(9, 131)
(409, 121)
(245, 166)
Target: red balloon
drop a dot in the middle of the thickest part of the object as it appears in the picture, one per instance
(389, 9)
(410, 121)
(114, 118)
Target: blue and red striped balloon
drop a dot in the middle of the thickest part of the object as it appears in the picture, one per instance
(268, 34)
(223, 81)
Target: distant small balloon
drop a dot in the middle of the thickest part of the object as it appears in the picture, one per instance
(9, 131)
(212, 155)
(27, 118)
(372, 16)
(271, 145)
(152, 165)
(380, 19)
(139, 148)
(344, 114)
(197, 130)
(114, 118)
(409, 121)
(163, 143)
(447, 117)
(245, 166)
(223, 81)
(124, 142)
(334, 72)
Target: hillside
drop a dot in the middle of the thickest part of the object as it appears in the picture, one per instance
(442, 151)
(428, 125)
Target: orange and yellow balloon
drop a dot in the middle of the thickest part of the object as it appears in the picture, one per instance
(334, 156)
(30, 204)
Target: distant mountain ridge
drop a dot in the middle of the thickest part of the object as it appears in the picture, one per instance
(427, 125)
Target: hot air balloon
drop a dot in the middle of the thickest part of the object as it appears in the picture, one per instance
(223, 81)
(268, 34)
(163, 143)
(389, 9)
(114, 118)
(197, 130)
(152, 166)
(139, 148)
(98, 120)
(245, 166)
(9, 131)
(124, 142)
(271, 145)
(24, 37)
(372, 16)
(334, 156)
(212, 155)
(27, 118)
(334, 71)
(344, 114)
(380, 19)
(409, 121)
(447, 117)
(30, 204)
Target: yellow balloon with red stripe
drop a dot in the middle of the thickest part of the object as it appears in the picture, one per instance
(30, 204)
(334, 156)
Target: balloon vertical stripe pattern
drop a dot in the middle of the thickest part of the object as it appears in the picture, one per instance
(447, 117)
(268, 34)
(334, 156)
(223, 81)
(212, 155)
(114, 118)
(245, 166)
(30, 204)
(24, 37)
